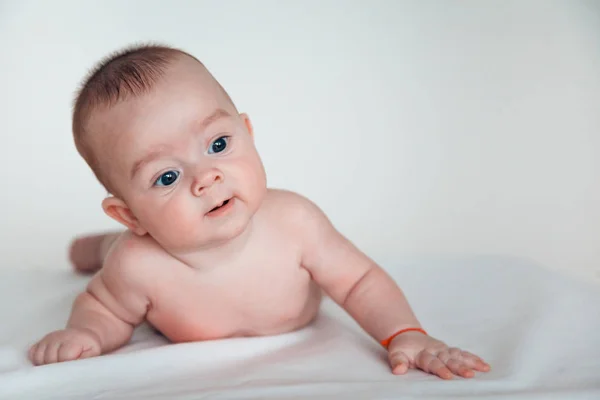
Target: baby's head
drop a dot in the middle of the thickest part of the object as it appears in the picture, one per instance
(166, 141)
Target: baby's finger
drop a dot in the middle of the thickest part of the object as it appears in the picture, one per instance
(459, 368)
(40, 350)
(31, 351)
(474, 361)
(433, 365)
(399, 362)
(51, 353)
(86, 353)
(69, 351)
(437, 367)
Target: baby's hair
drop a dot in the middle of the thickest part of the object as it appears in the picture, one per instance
(131, 71)
(126, 73)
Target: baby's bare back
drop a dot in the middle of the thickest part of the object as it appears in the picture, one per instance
(262, 289)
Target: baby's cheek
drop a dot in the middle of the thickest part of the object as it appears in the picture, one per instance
(174, 219)
(252, 176)
(182, 217)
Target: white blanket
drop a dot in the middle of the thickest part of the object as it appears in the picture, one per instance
(538, 330)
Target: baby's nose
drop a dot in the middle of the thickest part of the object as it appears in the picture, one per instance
(205, 180)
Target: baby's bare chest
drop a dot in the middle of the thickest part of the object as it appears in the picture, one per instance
(266, 292)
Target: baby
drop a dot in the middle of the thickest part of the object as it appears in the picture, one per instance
(209, 251)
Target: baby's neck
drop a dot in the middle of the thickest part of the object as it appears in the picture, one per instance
(215, 254)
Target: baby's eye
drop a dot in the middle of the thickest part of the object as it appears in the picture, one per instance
(167, 179)
(218, 145)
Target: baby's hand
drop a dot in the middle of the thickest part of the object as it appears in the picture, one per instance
(416, 350)
(65, 345)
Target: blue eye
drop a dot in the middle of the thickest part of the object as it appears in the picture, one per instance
(218, 145)
(167, 179)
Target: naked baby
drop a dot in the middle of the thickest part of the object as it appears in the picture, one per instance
(209, 251)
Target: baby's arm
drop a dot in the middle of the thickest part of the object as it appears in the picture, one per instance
(352, 279)
(102, 318)
(374, 300)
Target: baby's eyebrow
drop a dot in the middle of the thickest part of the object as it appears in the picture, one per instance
(153, 155)
(216, 115)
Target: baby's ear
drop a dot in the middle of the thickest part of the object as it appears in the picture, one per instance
(246, 120)
(118, 210)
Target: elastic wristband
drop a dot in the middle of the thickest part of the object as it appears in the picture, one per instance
(385, 343)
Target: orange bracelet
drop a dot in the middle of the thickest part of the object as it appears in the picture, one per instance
(385, 343)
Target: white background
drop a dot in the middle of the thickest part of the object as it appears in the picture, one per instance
(420, 127)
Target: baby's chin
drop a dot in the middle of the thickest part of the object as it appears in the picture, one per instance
(207, 236)
(230, 230)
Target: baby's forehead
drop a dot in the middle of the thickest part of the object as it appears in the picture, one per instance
(136, 126)
(168, 109)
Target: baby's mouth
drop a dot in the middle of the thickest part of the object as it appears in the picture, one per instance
(224, 203)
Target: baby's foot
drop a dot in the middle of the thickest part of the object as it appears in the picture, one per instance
(87, 252)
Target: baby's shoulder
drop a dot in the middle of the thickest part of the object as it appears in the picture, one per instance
(134, 257)
(286, 197)
(293, 209)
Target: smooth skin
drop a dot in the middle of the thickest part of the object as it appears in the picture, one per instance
(258, 265)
